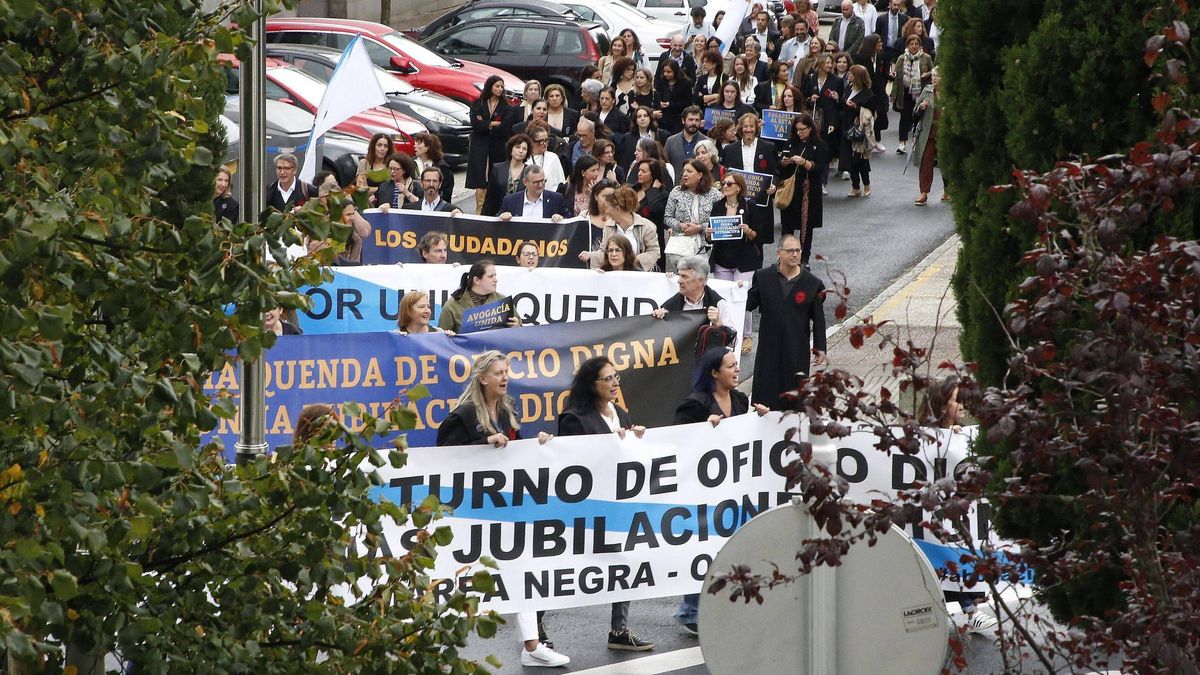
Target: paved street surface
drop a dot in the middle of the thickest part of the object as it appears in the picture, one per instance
(897, 259)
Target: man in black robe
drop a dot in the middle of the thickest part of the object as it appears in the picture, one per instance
(793, 318)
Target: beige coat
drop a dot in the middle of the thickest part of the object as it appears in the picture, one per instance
(647, 242)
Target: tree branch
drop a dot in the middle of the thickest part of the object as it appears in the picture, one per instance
(173, 561)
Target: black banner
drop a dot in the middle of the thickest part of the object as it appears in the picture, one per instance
(396, 236)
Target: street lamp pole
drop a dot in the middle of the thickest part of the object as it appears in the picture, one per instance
(252, 411)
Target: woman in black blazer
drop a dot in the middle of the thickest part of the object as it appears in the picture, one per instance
(870, 56)
(736, 259)
(674, 93)
(714, 397)
(488, 133)
(487, 391)
(642, 126)
(806, 158)
(505, 177)
(591, 410)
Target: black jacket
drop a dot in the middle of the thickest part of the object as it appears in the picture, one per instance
(744, 255)
(700, 404)
(462, 427)
(617, 122)
(675, 302)
(577, 421)
(227, 207)
(300, 194)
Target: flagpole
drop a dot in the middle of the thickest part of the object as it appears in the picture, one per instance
(252, 411)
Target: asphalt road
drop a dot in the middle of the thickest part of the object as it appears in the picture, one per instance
(871, 242)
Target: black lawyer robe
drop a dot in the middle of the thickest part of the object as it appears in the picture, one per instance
(792, 318)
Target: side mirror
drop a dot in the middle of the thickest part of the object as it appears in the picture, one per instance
(401, 64)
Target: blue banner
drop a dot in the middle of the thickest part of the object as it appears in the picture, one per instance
(486, 317)
(777, 124)
(757, 185)
(725, 228)
(714, 115)
(655, 358)
(396, 237)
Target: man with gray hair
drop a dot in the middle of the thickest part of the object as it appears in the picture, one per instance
(535, 201)
(288, 193)
(585, 131)
(695, 293)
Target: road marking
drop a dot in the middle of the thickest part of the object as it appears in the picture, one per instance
(907, 292)
(650, 665)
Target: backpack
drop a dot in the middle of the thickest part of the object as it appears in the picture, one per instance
(710, 336)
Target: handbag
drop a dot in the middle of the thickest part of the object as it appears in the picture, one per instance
(854, 133)
(683, 244)
(785, 192)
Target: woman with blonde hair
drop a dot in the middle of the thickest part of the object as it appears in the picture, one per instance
(620, 206)
(415, 315)
(485, 414)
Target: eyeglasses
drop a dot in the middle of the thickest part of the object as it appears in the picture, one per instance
(729, 183)
(791, 251)
(611, 379)
(535, 182)
(613, 250)
(541, 141)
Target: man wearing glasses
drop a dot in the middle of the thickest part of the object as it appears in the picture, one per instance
(431, 199)
(534, 201)
(790, 300)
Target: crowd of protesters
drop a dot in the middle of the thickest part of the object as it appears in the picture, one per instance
(658, 159)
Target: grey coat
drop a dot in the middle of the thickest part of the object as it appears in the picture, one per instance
(924, 123)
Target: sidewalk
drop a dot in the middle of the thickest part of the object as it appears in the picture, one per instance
(922, 308)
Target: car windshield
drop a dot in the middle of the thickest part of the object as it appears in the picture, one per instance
(392, 84)
(628, 13)
(416, 51)
(300, 83)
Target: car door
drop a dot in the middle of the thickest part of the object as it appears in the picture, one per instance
(522, 50)
(467, 42)
(672, 10)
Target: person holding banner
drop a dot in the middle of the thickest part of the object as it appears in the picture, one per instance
(714, 397)
(415, 313)
(534, 201)
(807, 159)
(618, 255)
(488, 132)
(619, 212)
(735, 258)
(431, 199)
(731, 104)
(688, 208)
(790, 301)
(374, 164)
(755, 155)
(478, 287)
(485, 415)
(591, 409)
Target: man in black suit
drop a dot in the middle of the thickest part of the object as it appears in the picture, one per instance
(888, 27)
(288, 193)
(685, 61)
(751, 153)
(767, 38)
(431, 186)
(535, 201)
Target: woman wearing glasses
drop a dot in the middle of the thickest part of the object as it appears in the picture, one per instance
(591, 409)
(806, 158)
(542, 153)
(619, 213)
(737, 259)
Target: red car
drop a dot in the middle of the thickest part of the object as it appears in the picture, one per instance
(391, 50)
(288, 84)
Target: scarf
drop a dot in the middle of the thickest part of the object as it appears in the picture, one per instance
(912, 73)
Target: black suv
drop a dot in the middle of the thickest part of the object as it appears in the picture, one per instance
(486, 10)
(532, 48)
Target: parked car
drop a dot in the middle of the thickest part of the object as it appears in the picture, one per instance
(485, 10)
(533, 48)
(678, 11)
(289, 84)
(392, 51)
(288, 128)
(615, 16)
(444, 117)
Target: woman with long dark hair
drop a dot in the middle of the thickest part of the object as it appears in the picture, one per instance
(714, 397)
(488, 134)
(651, 193)
(624, 73)
(505, 177)
(618, 255)
(731, 100)
(688, 208)
(633, 47)
(591, 409)
(477, 287)
(616, 52)
(674, 93)
(870, 57)
(709, 80)
(644, 129)
(743, 77)
(374, 164)
(643, 95)
(584, 175)
(737, 259)
(805, 157)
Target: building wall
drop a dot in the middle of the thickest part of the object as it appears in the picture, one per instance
(404, 14)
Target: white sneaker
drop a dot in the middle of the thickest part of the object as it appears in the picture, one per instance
(880, 147)
(845, 175)
(542, 657)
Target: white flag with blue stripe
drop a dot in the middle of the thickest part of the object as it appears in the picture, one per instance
(352, 89)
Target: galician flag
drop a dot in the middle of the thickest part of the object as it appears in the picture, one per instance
(352, 89)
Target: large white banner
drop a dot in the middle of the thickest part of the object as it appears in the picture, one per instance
(594, 519)
(367, 299)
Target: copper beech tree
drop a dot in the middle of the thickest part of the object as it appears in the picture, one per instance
(1097, 430)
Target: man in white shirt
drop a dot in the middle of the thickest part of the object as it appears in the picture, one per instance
(795, 42)
(533, 201)
(768, 39)
(431, 197)
(697, 26)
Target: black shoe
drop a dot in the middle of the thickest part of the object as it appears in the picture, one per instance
(691, 628)
(624, 639)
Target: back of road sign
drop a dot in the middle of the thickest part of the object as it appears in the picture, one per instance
(879, 612)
